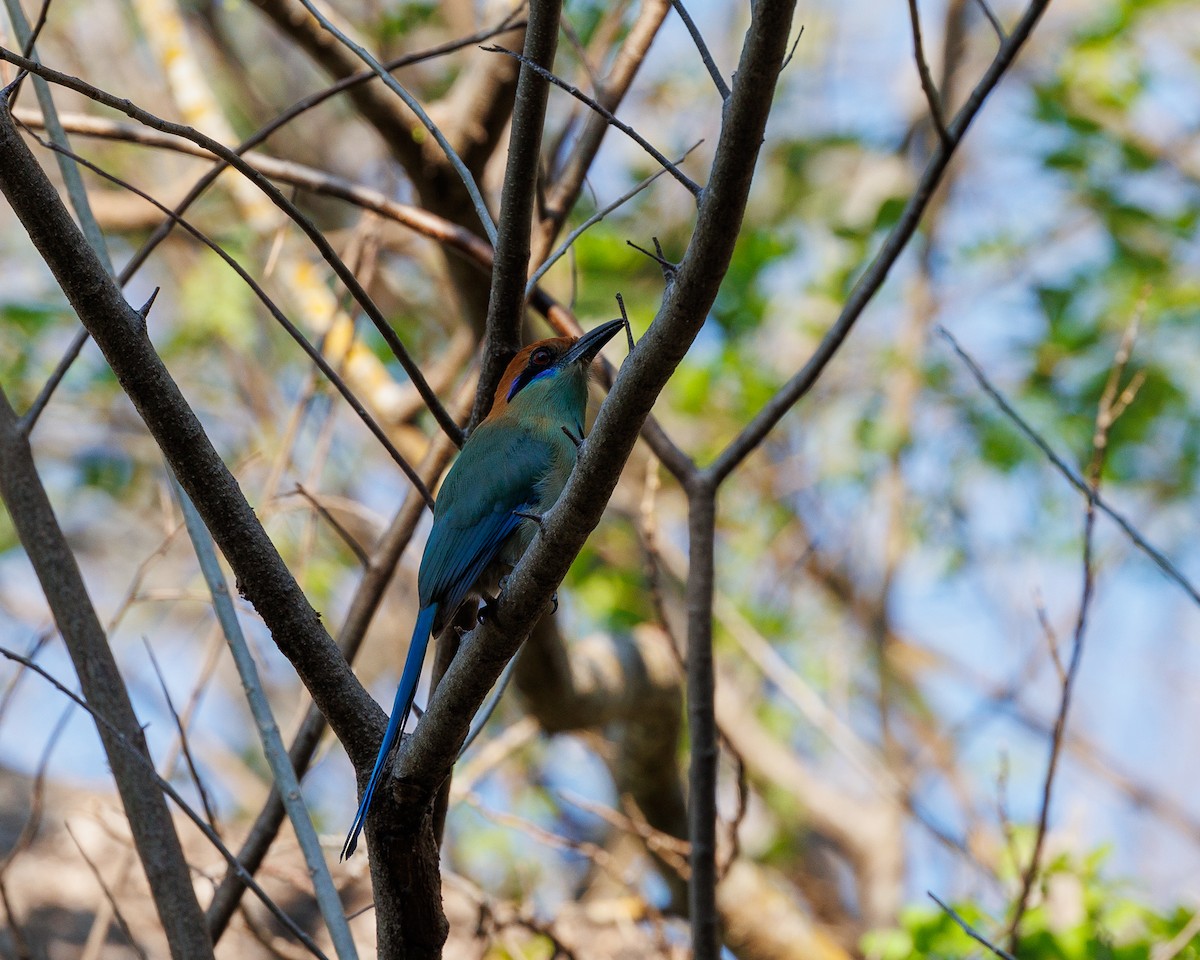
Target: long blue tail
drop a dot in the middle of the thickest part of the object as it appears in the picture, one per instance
(400, 710)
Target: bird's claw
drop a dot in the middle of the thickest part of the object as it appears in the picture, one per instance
(554, 600)
(578, 441)
(535, 517)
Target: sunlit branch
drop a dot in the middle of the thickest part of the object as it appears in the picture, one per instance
(1070, 474)
(873, 278)
(702, 47)
(306, 225)
(692, 187)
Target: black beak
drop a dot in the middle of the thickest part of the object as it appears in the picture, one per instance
(586, 347)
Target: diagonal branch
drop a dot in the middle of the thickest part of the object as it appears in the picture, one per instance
(124, 745)
(868, 285)
(702, 47)
(931, 92)
(1161, 560)
(276, 197)
(692, 187)
(120, 332)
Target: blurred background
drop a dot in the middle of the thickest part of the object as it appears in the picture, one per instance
(899, 569)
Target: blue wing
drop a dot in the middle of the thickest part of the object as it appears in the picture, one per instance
(496, 477)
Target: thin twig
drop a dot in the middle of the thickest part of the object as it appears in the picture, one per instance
(184, 747)
(1069, 473)
(355, 547)
(276, 197)
(325, 892)
(692, 187)
(481, 209)
(931, 92)
(874, 276)
(968, 929)
(705, 55)
(593, 220)
(1105, 417)
(992, 19)
(108, 895)
(171, 792)
(292, 330)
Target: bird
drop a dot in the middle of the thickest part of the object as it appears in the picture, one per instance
(509, 472)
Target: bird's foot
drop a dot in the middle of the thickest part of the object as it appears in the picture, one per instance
(578, 441)
(535, 517)
(554, 600)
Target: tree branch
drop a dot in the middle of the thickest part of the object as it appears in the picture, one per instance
(510, 263)
(868, 285)
(149, 820)
(120, 332)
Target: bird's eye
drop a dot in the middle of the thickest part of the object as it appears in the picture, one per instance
(541, 357)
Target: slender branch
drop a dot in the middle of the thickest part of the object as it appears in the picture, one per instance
(705, 55)
(702, 724)
(410, 101)
(692, 187)
(510, 264)
(37, 527)
(276, 197)
(120, 332)
(108, 895)
(185, 747)
(594, 219)
(284, 775)
(931, 92)
(992, 19)
(1159, 558)
(870, 282)
(969, 930)
(562, 194)
(1111, 406)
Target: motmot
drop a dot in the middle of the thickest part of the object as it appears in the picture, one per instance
(510, 471)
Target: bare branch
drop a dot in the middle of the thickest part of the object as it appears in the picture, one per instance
(869, 283)
(931, 93)
(1105, 417)
(593, 220)
(705, 55)
(1079, 483)
(125, 747)
(969, 930)
(692, 187)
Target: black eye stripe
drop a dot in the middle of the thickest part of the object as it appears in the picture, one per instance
(540, 361)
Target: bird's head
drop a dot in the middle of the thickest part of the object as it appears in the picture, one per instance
(552, 371)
